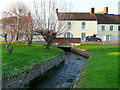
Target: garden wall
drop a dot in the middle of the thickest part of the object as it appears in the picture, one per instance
(81, 52)
(19, 81)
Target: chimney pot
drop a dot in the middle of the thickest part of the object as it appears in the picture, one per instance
(92, 11)
(105, 10)
(57, 11)
(29, 14)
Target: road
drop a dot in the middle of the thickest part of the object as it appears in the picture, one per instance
(107, 43)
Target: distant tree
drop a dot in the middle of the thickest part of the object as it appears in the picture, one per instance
(10, 32)
(27, 30)
(15, 12)
(19, 16)
(46, 21)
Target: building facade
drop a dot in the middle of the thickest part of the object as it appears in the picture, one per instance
(80, 29)
(108, 32)
(101, 24)
(80, 24)
(108, 27)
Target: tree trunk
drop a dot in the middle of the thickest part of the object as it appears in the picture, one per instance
(9, 50)
(17, 37)
(48, 45)
(29, 41)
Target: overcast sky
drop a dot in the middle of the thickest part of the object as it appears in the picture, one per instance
(76, 5)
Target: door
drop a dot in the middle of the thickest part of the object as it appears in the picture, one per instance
(119, 38)
(83, 36)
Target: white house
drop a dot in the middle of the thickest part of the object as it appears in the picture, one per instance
(79, 25)
(108, 27)
(100, 24)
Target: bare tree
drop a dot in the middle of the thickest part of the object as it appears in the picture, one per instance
(46, 20)
(48, 35)
(16, 11)
(8, 35)
(8, 48)
(8, 24)
(27, 29)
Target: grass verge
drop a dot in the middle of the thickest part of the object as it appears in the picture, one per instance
(25, 57)
(101, 69)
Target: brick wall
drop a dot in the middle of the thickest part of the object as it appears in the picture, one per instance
(67, 40)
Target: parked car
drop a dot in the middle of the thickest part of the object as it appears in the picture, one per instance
(92, 38)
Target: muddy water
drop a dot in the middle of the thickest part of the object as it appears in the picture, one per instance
(64, 75)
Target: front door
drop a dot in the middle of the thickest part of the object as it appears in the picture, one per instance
(83, 36)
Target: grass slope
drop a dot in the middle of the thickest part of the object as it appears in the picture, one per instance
(101, 69)
(25, 57)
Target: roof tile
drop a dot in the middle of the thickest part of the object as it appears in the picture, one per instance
(76, 16)
(108, 19)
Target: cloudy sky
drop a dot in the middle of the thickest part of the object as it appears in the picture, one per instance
(76, 5)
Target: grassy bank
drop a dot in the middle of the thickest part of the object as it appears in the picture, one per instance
(25, 57)
(101, 69)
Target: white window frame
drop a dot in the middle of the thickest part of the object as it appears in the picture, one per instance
(111, 28)
(1, 27)
(83, 26)
(109, 37)
(118, 28)
(102, 28)
(68, 35)
(69, 25)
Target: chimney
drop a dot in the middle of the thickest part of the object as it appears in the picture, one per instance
(29, 14)
(105, 10)
(92, 11)
(57, 11)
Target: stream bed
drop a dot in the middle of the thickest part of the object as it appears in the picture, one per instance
(62, 76)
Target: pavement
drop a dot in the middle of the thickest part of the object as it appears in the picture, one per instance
(102, 42)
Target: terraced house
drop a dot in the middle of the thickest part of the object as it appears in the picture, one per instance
(81, 24)
(100, 24)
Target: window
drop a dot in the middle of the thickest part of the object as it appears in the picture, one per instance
(68, 35)
(68, 25)
(1, 27)
(118, 28)
(119, 38)
(83, 25)
(8, 27)
(108, 37)
(103, 28)
(111, 28)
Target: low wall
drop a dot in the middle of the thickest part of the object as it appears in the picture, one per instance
(67, 40)
(19, 81)
(81, 52)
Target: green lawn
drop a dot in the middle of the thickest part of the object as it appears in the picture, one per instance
(25, 57)
(101, 69)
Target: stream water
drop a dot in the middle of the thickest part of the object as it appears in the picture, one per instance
(64, 75)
